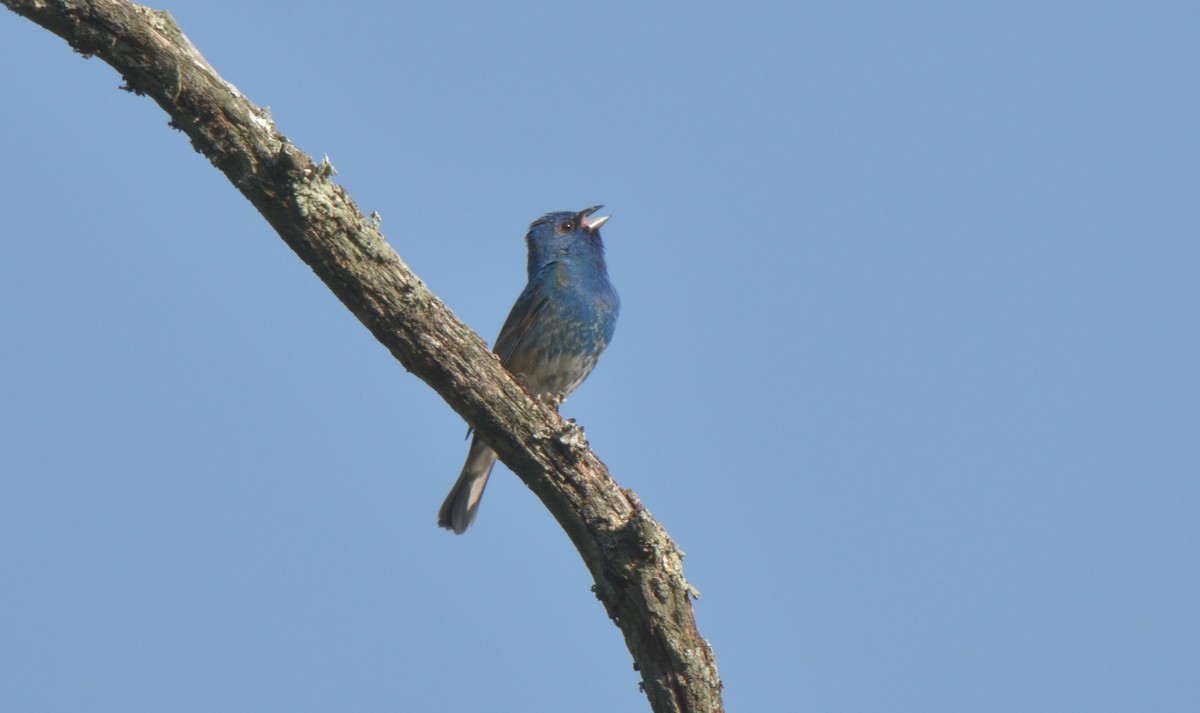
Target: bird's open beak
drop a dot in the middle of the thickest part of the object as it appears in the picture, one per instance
(595, 223)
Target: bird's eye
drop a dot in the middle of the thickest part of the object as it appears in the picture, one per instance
(566, 226)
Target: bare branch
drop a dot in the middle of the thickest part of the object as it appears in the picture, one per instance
(636, 567)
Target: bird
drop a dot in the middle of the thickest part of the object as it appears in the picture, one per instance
(553, 336)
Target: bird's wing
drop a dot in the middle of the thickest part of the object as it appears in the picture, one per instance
(525, 313)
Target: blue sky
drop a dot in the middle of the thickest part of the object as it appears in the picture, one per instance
(907, 361)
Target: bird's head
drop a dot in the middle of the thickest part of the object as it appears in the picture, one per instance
(555, 236)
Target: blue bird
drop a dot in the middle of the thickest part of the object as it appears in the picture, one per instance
(553, 336)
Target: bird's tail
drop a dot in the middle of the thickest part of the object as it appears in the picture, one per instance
(458, 512)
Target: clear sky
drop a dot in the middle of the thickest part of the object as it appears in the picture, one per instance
(908, 362)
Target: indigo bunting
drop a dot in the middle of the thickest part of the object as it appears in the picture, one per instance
(553, 336)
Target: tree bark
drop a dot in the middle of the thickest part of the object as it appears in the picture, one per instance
(637, 568)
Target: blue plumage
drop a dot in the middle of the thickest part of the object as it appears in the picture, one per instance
(553, 337)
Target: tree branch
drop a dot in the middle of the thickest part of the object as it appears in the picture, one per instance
(636, 567)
